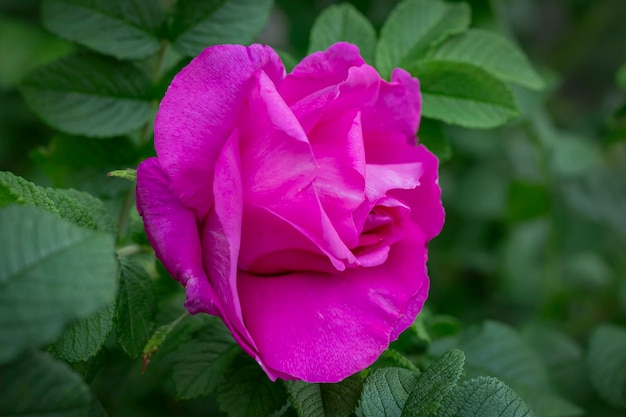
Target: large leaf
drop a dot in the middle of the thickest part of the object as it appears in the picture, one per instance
(78, 207)
(325, 400)
(198, 24)
(89, 95)
(200, 363)
(136, 308)
(607, 364)
(247, 392)
(434, 384)
(84, 339)
(493, 53)
(343, 23)
(484, 397)
(385, 392)
(126, 29)
(463, 94)
(414, 26)
(36, 385)
(53, 272)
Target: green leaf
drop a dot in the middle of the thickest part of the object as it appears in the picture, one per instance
(484, 397)
(36, 385)
(126, 29)
(343, 22)
(198, 24)
(136, 308)
(53, 273)
(385, 392)
(434, 384)
(200, 363)
(621, 77)
(491, 52)
(84, 339)
(432, 135)
(607, 364)
(393, 358)
(414, 26)
(325, 400)
(128, 174)
(89, 95)
(247, 392)
(463, 94)
(78, 207)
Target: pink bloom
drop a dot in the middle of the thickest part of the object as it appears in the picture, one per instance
(295, 207)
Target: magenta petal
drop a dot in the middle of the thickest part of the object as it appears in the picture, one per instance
(173, 233)
(324, 327)
(199, 112)
(382, 178)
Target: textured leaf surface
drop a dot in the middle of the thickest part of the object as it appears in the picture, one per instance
(201, 362)
(198, 24)
(325, 400)
(491, 52)
(385, 392)
(83, 340)
(38, 386)
(607, 364)
(463, 94)
(343, 23)
(484, 397)
(136, 308)
(414, 26)
(89, 95)
(434, 384)
(126, 29)
(53, 272)
(247, 392)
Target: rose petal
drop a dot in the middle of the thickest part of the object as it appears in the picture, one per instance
(173, 233)
(398, 106)
(324, 327)
(382, 178)
(199, 112)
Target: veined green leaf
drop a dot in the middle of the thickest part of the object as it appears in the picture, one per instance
(463, 94)
(89, 95)
(491, 52)
(343, 22)
(385, 392)
(44, 283)
(413, 27)
(198, 24)
(126, 29)
(325, 400)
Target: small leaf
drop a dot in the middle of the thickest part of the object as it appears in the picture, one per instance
(607, 364)
(463, 94)
(432, 135)
(36, 385)
(198, 24)
(200, 363)
(393, 358)
(247, 392)
(325, 400)
(434, 384)
(491, 52)
(385, 392)
(484, 397)
(414, 26)
(43, 280)
(89, 95)
(343, 22)
(128, 174)
(126, 29)
(136, 308)
(84, 339)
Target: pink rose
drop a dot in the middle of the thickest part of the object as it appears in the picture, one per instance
(296, 207)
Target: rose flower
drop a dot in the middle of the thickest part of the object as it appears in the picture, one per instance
(296, 207)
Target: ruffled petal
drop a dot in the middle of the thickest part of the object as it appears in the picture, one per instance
(324, 327)
(173, 233)
(199, 112)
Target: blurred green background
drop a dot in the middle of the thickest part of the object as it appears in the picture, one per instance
(536, 211)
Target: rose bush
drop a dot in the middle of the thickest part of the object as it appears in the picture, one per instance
(296, 207)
